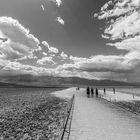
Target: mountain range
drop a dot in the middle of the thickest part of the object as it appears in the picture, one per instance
(50, 81)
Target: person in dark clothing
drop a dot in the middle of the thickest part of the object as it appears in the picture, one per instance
(114, 90)
(88, 91)
(104, 90)
(77, 88)
(92, 92)
(96, 92)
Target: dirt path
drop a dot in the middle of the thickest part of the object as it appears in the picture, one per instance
(95, 119)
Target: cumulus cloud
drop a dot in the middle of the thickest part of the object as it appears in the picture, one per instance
(63, 55)
(124, 27)
(121, 68)
(17, 43)
(17, 40)
(44, 53)
(100, 63)
(18, 68)
(60, 20)
(42, 6)
(119, 8)
(77, 59)
(50, 48)
(123, 20)
(45, 60)
(121, 27)
(57, 2)
(130, 44)
(66, 73)
(53, 50)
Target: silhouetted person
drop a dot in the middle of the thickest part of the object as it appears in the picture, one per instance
(96, 91)
(114, 90)
(88, 91)
(104, 90)
(133, 96)
(77, 88)
(92, 92)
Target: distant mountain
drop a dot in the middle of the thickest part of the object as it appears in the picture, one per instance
(92, 82)
(45, 81)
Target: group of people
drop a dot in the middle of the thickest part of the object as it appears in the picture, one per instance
(91, 91)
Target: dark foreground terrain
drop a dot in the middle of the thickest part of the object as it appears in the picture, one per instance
(30, 114)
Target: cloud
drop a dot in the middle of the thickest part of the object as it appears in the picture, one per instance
(130, 44)
(3, 63)
(44, 53)
(50, 48)
(100, 63)
(17, 40)
(57, 2)
(42, 6)
(16, 43)
(53, 50)
(45, 60)
(124, 27)
(60, 20)
(118, 8)
(77, 59)
(123, 32)
(63, 55)
(18, 68)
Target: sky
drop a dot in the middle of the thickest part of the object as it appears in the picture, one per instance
(85, 38)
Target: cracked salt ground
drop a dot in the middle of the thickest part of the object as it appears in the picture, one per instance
(95, 119)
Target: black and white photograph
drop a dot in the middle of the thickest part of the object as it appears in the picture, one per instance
(69, 69)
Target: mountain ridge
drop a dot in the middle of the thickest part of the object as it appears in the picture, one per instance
(44, 81)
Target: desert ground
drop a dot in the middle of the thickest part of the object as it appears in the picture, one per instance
(30, 113)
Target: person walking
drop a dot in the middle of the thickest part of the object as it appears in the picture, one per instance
(88, 91)
(92, 92)
(96, 92)
(114, 90)
(104, 90)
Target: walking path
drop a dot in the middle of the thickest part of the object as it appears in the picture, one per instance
(96, 119)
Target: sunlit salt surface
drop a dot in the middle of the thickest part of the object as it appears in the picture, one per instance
(119, 96)
(67, 93)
